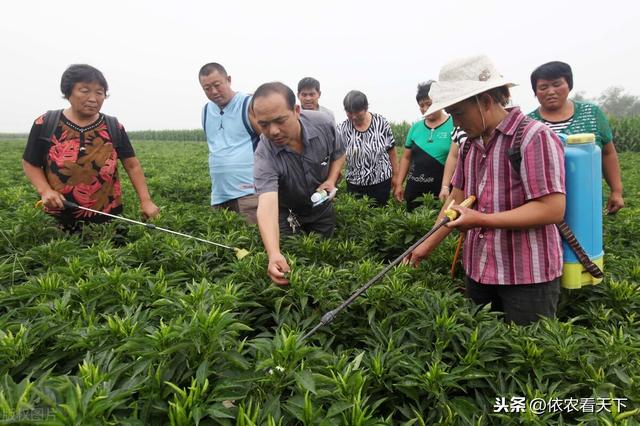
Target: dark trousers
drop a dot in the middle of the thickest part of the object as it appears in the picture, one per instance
(522, 303)
(320, 219)
(425, 177)
(379, 191)
(415, 190)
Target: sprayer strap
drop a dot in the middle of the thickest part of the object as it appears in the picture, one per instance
(515, 157)
(571, 239)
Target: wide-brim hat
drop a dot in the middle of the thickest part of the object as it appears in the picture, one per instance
(463, 78)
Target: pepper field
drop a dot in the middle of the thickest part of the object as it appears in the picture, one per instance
(126, 325)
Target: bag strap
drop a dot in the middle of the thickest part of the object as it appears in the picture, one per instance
(515, 158)
(51, 119)
(113, 127)
(515, 151)
(255, 137)
(205, 112)
(571, 239)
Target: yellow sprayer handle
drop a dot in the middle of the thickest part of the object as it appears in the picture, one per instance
(452, 214)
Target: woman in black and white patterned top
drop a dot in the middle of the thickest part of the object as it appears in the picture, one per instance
(372, 162)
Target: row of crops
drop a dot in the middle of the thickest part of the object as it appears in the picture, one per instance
(124, 325)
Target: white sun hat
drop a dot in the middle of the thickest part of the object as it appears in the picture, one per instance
(463, 78)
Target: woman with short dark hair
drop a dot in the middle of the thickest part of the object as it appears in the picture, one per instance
(551, 84)
(71, 154)
(426, 151)
(372, 163)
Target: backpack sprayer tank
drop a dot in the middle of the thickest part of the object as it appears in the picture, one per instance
(583, 172)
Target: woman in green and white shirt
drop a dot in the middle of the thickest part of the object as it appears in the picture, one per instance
(426, 150)
(551, 83)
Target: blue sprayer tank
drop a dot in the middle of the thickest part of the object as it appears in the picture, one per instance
(583, 171)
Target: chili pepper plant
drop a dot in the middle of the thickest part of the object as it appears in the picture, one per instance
(121, 324)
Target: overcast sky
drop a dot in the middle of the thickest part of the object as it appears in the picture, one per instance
(150, 51)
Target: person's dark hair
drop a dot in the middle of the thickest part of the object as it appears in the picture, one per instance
(500, 95)
(81, 73)
(212, 67)
(552, 71)
(275, 87)
(423, 90)
(355, 101)
(308, 83)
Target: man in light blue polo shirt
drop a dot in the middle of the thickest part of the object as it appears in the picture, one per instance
(232, 139)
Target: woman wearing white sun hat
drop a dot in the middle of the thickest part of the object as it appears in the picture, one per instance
(512, 250)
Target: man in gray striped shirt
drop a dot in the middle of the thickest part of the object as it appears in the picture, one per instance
(298, 154)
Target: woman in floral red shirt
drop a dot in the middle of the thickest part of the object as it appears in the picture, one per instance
(78, 162)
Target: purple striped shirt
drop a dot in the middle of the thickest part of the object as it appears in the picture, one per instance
(505, 256)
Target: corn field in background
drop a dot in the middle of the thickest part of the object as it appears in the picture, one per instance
(626, 134)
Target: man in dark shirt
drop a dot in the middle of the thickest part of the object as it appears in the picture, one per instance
(299, 154)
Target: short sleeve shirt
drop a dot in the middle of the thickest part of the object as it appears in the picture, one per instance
(296, 176)
(587, 118)
(328, 112)
(434, 141)
(230, 149)
(367, 152)
(81, 164)
(506, 256)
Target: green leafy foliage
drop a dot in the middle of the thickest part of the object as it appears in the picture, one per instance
(124, 325)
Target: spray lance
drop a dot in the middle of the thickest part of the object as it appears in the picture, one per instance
(240, 253)
(450, 215)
